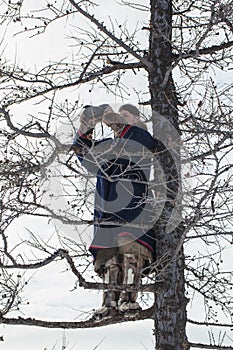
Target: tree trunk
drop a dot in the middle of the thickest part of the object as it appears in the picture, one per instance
(170, 315)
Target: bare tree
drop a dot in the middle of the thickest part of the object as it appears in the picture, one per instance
(178, 54)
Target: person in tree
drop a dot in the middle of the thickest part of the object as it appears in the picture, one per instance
(123, 247)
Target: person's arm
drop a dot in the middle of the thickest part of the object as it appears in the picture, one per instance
(88, 120)
(91, 153)
(82, 142)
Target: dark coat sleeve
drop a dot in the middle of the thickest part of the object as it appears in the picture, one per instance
(81, 144)
(90, 152)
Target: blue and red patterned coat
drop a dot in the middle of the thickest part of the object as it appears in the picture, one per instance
(121, 198)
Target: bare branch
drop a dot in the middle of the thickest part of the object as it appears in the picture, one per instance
(109, 34)
(207, 346)
(210, 324)
(145, 314)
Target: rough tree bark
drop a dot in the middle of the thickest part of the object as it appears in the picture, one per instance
(170, 314)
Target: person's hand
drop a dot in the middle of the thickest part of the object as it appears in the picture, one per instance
(87, 124)
(91, 116)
